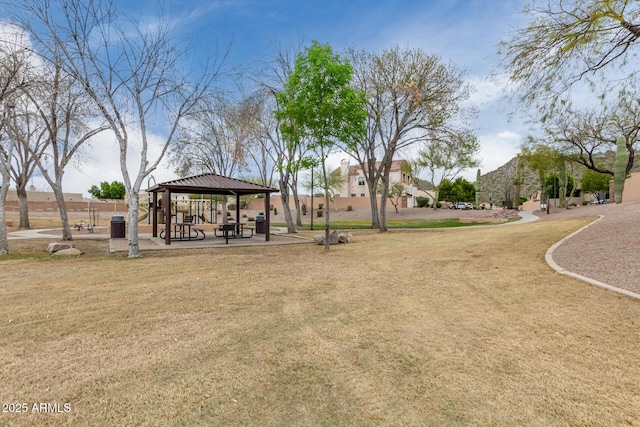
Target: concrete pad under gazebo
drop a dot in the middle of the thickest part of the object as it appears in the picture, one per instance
(211, 184)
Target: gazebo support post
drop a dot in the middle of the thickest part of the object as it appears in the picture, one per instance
(237, 209)
(155, 214)
(267, 213)
(167, 218)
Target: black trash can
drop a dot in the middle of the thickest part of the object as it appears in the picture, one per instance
(117, 227)
(261, 224)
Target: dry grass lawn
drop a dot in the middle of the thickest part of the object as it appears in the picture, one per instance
(440, 327)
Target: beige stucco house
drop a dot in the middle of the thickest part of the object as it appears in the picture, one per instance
(355, 186)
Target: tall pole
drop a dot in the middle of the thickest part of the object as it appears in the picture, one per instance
(312, 198)
(149, 203)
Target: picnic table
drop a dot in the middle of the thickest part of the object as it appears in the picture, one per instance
(184, 231)
(234, 230)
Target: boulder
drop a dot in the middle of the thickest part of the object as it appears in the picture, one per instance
(344, 237)
(68, 252)
(335, 237)
(58, 246)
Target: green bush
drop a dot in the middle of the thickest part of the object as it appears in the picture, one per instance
(423, 202)
(349, 208)
(319, 213)
(585, 202)
(231, 206)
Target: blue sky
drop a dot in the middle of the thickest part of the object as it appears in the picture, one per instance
(464, 32)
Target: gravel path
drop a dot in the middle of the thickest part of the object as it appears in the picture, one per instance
(607, 250)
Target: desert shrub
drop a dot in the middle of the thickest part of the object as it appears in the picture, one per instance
(423, 202)
(349, 208)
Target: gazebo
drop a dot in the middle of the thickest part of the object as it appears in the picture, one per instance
(207, 183)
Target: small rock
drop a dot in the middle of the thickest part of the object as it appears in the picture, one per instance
(57, 246)
(69, 252)
(344, 237)
(335, 237)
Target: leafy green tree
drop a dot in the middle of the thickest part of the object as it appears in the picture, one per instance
(445, 192)
(318, 103)
(459, 190)
(113, 191)
(594, 182)
(553, 185)
(539, 158)
(395, 194)
(445, 159)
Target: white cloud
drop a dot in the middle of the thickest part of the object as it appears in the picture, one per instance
(100, 161)
(497, 149)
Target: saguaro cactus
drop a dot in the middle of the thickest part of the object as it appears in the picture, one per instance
(620, 171)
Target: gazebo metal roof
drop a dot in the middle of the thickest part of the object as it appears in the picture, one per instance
(210, 183)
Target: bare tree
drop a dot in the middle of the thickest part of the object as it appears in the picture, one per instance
(287, 158)
(211, 140)
(411, 97)
(13, 67)
(65, 116)
(214, 140)
(251, 112)
(133, 72)
(30, 138)
(583, 135)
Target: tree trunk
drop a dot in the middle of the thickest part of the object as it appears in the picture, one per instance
(373, 198)
(296, 200)
(4, 189)
(327, 222)
(62, 208)
(436, 195)
(284, 196)
(383, 201)
(23, 206)
(134, 203)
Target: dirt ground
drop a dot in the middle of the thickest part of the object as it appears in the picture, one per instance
(363, 214)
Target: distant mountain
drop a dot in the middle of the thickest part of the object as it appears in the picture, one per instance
(495, 182)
